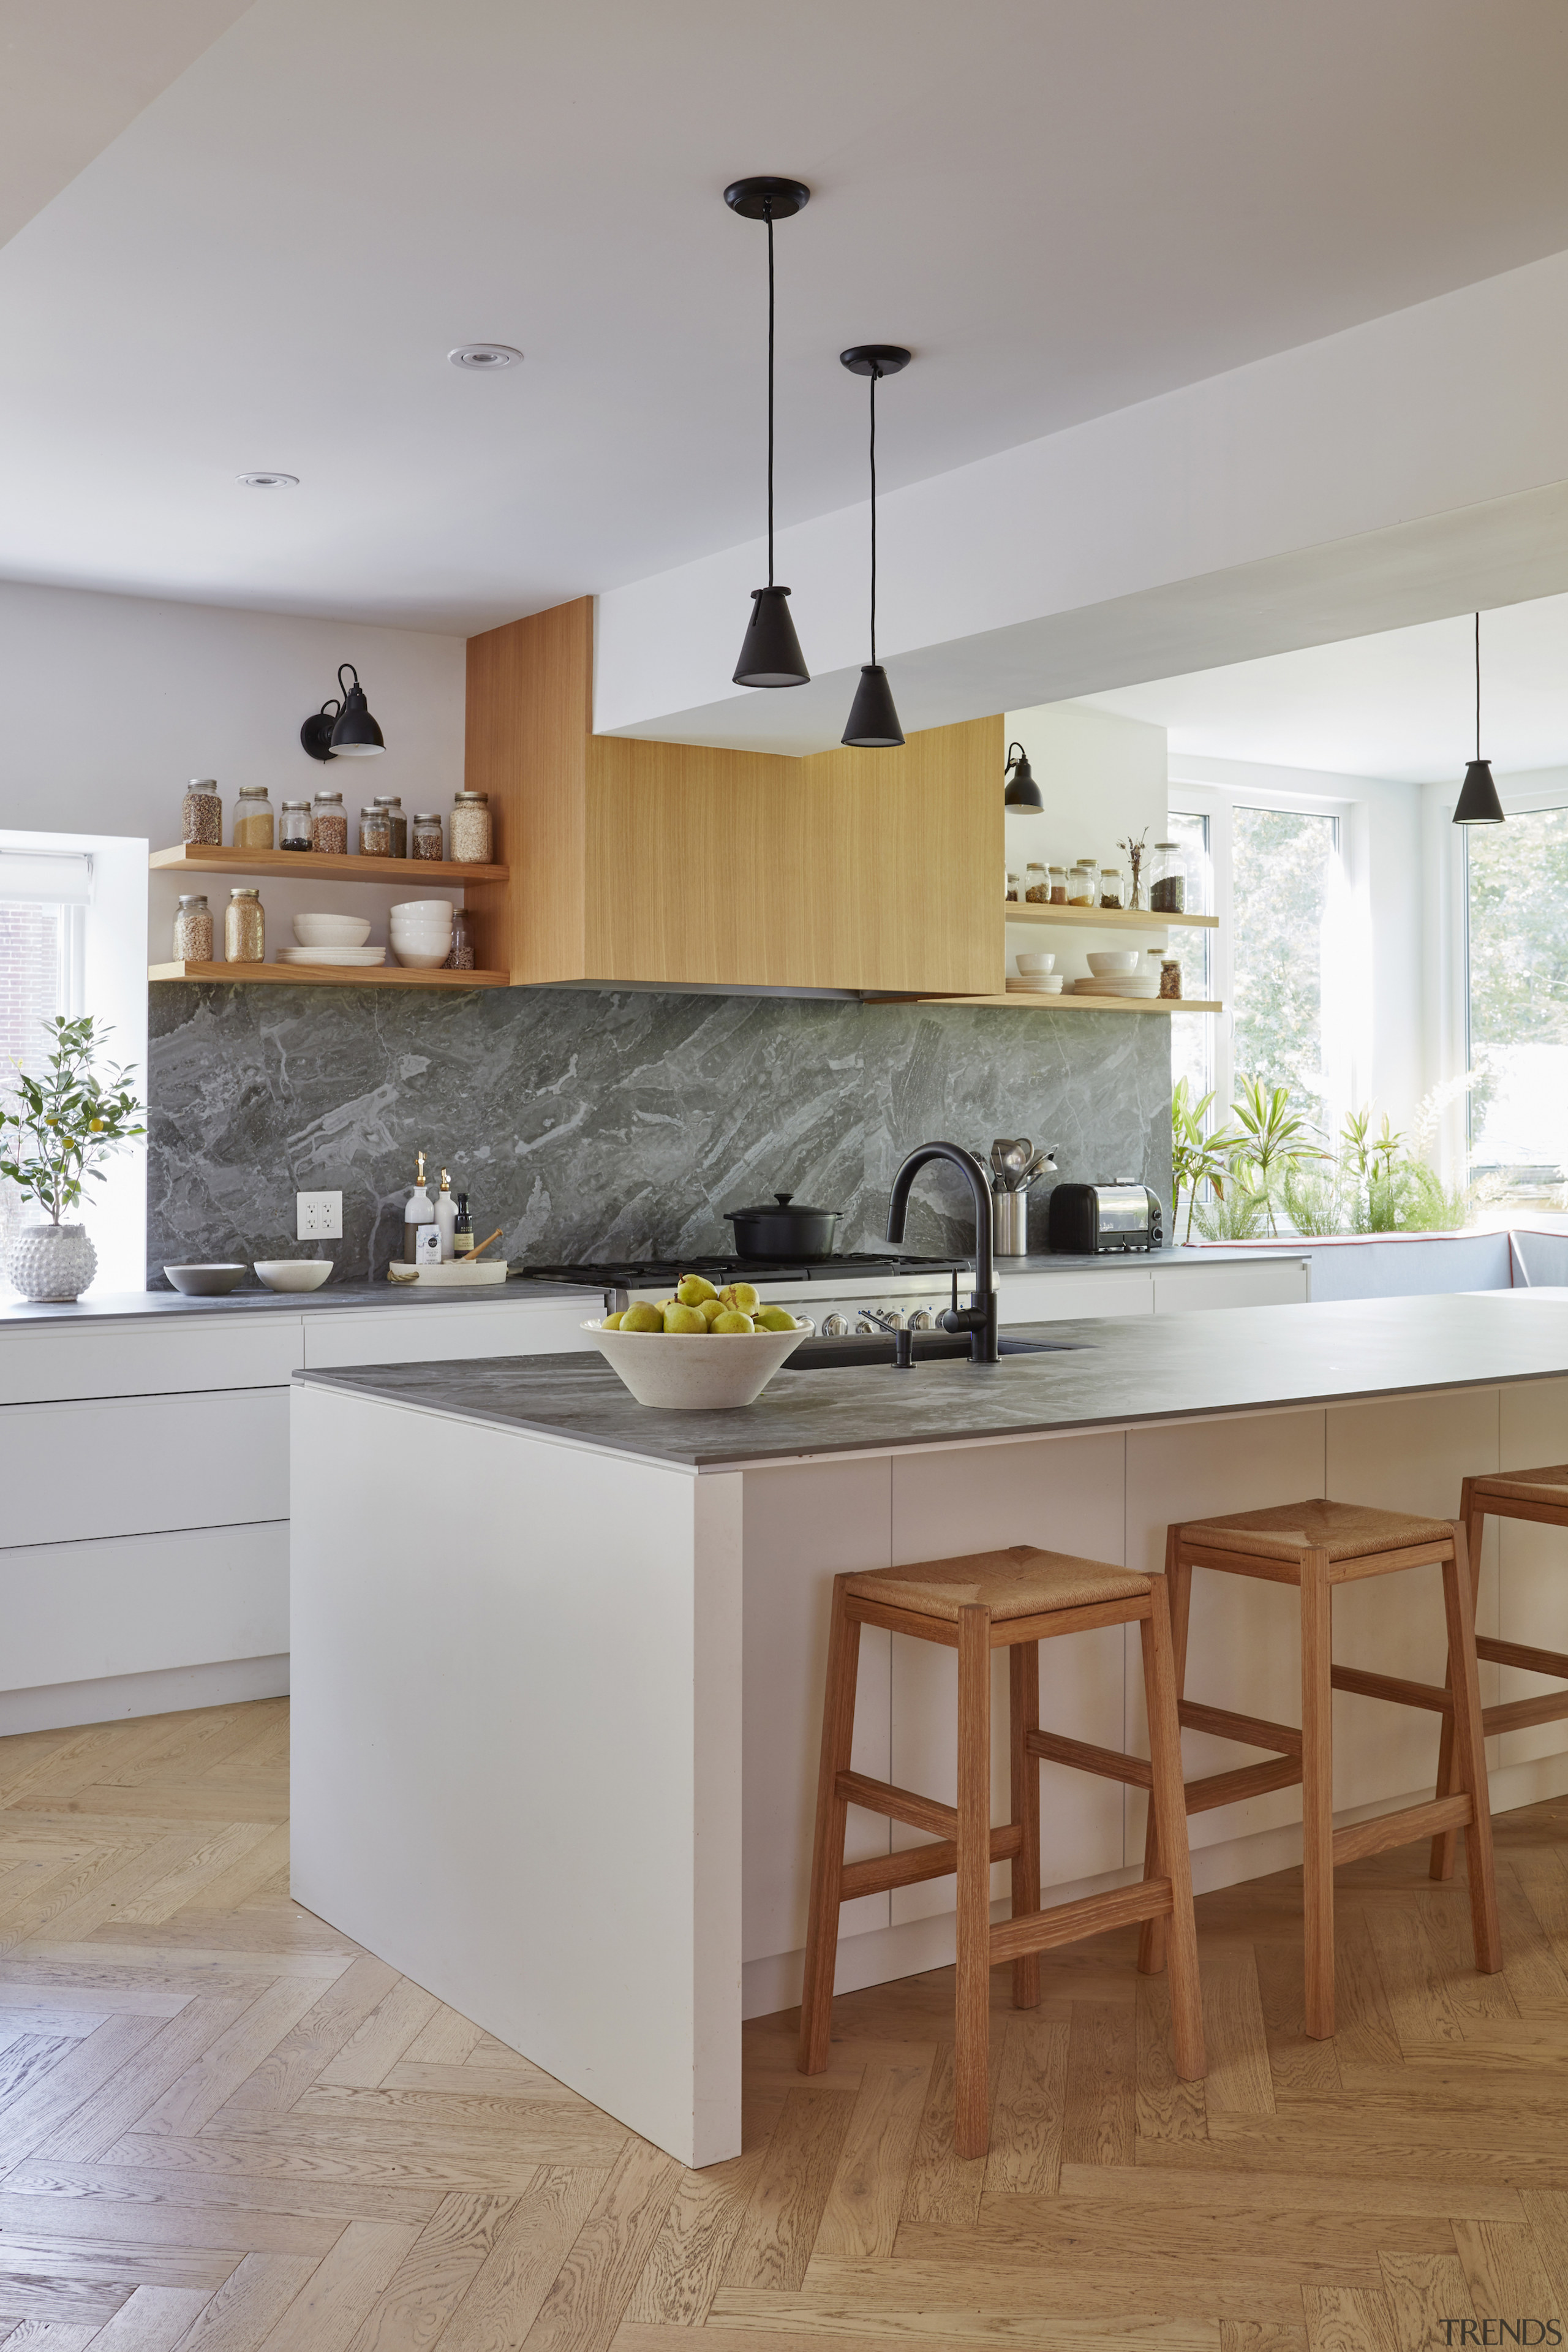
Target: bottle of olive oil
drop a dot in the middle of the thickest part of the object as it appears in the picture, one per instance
(462, 1231)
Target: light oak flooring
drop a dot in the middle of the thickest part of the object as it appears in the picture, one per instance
(223, 2127)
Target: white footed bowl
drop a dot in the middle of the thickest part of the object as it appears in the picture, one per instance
(668, 1368)
(422, 959)
(421, 911)
(293, 1273)
(332, 930)
(1106, 962)
(1035, 964)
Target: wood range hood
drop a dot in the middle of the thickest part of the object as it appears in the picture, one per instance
(675, 864)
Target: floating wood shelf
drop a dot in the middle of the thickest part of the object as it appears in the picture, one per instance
(308, 865)
(1105, 918)
(1017, 1002)
(331, 975)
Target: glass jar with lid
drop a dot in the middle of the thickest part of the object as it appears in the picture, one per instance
(194, 928)
(396, 821)
(424, 837)
(1057, 885)
(329, 825)
(1111, 892)
(245, 927)
(471, 828)
(375, 831)
(293, 825)
(1083, 883)
(253, 818)
(201, 814)
(1037, 883)
(462, 956)
(1013, 890)
(1167, 880)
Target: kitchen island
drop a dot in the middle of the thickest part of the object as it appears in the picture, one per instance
(557, 1659)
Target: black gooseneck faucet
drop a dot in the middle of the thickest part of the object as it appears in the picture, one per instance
(979, 1318)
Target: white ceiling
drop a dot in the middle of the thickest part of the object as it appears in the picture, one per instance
(1401, 705)
(1063, 207)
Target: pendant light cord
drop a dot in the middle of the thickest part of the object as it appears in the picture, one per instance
(768, 216)
(875, 380)
(1478, 686)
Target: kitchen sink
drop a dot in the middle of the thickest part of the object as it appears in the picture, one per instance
(930, 1347)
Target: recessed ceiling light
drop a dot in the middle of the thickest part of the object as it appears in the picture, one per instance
(483, 357)
(269, 481)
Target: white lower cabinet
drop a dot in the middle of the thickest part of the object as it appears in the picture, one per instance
(1059, 1297)
(78, 1612)
(1262, 1282)
(429, 1335)
(133, 1465)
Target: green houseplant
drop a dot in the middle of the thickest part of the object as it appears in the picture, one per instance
(54, 1130)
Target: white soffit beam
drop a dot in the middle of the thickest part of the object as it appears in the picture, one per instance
(1397, 472)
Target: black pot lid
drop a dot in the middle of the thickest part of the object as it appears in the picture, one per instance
(783, 1204)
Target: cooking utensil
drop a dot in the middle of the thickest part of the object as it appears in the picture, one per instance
(1010, 1160)
(480, 1248)
(1042, 1158)
(783, 1232)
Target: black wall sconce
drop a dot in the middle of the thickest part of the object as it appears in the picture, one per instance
(343, 730)
(1022, 792)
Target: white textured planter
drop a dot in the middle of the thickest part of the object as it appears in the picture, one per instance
(51, 1261)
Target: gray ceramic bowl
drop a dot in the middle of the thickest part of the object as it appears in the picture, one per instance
(205, 1281)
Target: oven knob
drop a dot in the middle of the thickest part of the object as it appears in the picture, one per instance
(833, 1327)
(920, 1320)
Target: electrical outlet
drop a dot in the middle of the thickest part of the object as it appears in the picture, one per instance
(319, 1216)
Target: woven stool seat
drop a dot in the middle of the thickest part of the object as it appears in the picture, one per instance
(1545, 1485)
(1343, 1530)
(1017, 1583)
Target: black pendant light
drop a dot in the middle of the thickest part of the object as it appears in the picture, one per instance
(770, 653)
(874, 723)
(1478, 802)
(343, 730)
(1022, 792)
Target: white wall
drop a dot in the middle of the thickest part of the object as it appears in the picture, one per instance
(1103, 778)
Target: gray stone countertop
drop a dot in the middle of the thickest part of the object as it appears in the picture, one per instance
(1118, 1370)
(122, 1306)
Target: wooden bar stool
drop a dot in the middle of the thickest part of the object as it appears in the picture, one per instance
(1009, 1600)
(1315, 1546)
(1539, 1495)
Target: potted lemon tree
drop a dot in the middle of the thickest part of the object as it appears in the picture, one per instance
(55, 1129)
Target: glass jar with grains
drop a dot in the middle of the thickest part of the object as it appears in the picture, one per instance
(1011, 886)
(245, 927)
(329, 825)
(253, 818)
(425, 841)
(201, 814)
(294, 830)
(393, 803)
(194, 930)
(1036, 885)
(1058, 886)
(1167, 880)
(1111, 886)
(471, 828)
(375, 832)
(462, 956)
(1084, 884)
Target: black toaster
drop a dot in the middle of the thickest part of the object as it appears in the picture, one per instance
(1094, 1220)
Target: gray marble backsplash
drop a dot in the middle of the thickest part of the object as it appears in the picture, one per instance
(614, 1123)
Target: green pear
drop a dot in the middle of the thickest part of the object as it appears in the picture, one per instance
(710, 1310)
(732, 1319)
(613, 1322)
(641, 1318)
(685, 1318)
(775, 1318)
(739, 1295)
(694, 1290)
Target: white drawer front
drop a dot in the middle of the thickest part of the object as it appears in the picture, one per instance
(137, 1604)
(42, 1362)
(138, 1464)
(434, 1335)
(1052, 1297)
(1269, 1282)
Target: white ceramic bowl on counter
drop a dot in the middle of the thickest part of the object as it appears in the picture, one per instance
(1108, 963)
(293, 1273)
(330, 930)
(204, 1281)
(692, 1371)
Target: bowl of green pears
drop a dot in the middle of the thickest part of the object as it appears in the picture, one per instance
(639, 1346)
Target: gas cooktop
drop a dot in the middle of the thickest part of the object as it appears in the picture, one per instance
(643, 1273)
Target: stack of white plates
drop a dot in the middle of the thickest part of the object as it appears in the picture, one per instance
(357, 957)
(1044, 984)
(1137, 983)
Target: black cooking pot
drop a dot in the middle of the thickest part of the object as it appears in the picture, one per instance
(783, 1232)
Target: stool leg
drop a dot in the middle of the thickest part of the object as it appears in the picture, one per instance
(828, 1846)
(1445, 1845)
(1317, 1792)
(1023, 1715)
(1167, 1810)
(1178, 1587)
(1469, 1753)
(971, 2054)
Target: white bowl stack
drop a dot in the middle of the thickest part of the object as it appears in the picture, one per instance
(421, 932)
(332, 938)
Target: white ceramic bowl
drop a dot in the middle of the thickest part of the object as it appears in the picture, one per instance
(1027, 963)
(205, 1281)
(420, 935)
(422, 959)
(434, 910)
(293, 1273)
(332, 930)
(670, 1369)
(1107, 961)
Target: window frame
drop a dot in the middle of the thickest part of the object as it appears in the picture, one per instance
(1457, 1134)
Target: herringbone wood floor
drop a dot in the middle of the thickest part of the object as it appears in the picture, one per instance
(224, 2128)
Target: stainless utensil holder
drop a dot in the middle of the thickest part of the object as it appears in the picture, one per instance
(1009, 1224)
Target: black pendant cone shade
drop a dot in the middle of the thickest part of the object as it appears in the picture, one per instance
(1022, 792)
(771, 651)
(874, 723)
(1477, 803)
(770, 654)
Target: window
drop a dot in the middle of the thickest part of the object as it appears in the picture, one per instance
(1516, 900)
(42, 934)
